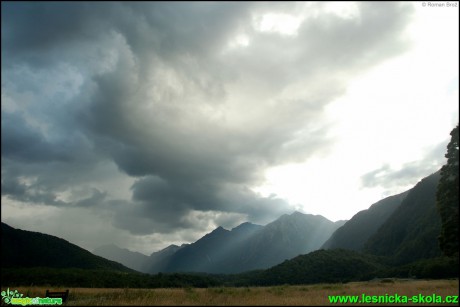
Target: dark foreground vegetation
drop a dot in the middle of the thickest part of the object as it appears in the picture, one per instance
(323, 266)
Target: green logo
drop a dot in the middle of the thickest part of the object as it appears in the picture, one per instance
(15, 298)
(8, 295)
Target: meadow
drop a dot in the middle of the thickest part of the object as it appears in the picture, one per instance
(277, 295)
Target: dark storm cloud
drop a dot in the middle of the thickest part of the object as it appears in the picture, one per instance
(168, 203)
(21, 142)
(17, 190)
(12, 187)
(97, 197)
(164, 98)
(38, 32)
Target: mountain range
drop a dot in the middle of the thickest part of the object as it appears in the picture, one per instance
(243, 248)
(397, 235)
(403, 227)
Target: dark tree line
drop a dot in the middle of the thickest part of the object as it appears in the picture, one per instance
(447, 198)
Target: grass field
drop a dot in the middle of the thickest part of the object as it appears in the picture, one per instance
(278, 295)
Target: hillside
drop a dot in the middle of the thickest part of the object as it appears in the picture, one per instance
(335, 266)
(411, 232)
(27, 249)
(355, 232)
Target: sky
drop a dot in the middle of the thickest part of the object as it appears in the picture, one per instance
(145, 124)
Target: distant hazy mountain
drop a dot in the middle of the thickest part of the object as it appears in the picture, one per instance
(250, 246)
(26, 249)
(285, 238)
(216, 252)
(159, 260)
(354, 233)
(133, 260)
(412, 231)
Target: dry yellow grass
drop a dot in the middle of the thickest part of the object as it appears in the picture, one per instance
(277, 295)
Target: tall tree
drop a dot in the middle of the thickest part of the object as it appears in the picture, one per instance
(447, 198)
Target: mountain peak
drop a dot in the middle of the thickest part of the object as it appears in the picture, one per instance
(216, 232)
(245, 225)
(242, 225)
(172, 246)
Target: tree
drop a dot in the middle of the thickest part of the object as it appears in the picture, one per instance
(447, 198)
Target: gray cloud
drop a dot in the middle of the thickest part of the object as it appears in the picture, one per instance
(153, 88)
(409, 173)
(22, 143)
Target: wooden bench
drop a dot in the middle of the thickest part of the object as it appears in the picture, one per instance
(57, 294)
